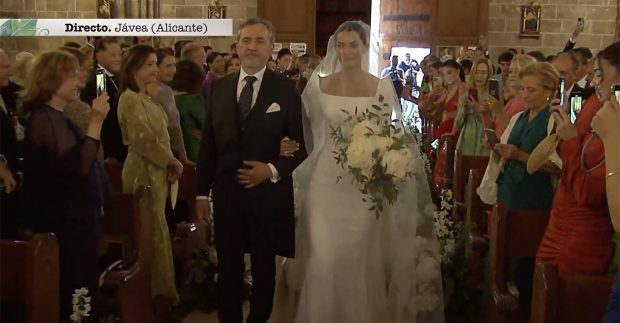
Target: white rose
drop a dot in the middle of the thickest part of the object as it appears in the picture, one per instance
(359, 154)
(398, 162)
(381, 143)
(365, 128)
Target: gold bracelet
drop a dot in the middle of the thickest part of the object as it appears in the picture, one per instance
(610, 174)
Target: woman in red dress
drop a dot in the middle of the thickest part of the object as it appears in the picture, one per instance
(578, 238)
(456, 91)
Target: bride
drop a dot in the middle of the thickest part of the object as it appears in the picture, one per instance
(352, 267)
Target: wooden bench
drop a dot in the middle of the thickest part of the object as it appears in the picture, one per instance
(462, 165)
(446, 149)
(568, 298)
(515, 234)
(29, 274)
(128, 290)
(477, 243)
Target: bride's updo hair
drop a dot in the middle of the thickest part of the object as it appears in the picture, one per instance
(353, 26)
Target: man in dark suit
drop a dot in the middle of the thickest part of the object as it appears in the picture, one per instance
(248, 114)
(566, 64)
(108, 57)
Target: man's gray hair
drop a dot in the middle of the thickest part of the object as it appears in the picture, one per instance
(256, 21)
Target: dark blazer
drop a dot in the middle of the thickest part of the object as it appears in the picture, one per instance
(226, 144)
(111, 136)
(9, 147)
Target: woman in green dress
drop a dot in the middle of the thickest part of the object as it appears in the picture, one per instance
(150, 162)
(187, 83)
(472, 118)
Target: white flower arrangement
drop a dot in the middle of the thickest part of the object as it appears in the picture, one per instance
(377, 155)
(81, 305)
(428, 273)
(445, 228)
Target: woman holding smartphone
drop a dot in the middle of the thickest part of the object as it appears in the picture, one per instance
(506, 179)
(470, 119)
(578, 238)
(150, 161)
(503, 112)
(64, 182)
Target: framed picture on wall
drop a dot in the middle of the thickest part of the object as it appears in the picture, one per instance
(530, 22)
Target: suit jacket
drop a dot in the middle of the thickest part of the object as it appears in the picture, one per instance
(111, 136)
(9, 147)
(225, 145)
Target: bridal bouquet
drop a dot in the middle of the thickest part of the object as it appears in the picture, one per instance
(376, 154)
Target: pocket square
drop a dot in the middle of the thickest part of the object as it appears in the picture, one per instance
(274, 107)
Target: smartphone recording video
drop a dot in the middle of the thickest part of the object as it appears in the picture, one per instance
(576, 101)
(491, 137)
(101, 80)
(561, 92)
(616, 92)
(494, 88)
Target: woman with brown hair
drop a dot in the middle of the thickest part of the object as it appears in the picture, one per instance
(150, 161)
(64, 183)
(166, 64)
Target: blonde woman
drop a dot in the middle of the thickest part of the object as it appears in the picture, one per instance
(63, 180)
(22, 63)
(470, 118)
(502, 112)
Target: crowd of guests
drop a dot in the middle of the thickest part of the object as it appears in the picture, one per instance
(544, 154)
(58, 131)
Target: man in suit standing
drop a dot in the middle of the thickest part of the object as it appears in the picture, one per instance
(108, 57)
(248, 114)
(566, 64)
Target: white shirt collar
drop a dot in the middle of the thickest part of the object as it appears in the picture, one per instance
(108, 73)
(583, 82)
(259, 75)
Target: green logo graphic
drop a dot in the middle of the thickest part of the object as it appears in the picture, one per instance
(18, 27)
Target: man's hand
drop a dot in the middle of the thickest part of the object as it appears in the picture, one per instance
(577, 30)
(255, 175)
(6, 177)
(203, 211)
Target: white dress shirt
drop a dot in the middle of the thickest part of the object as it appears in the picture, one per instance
(583, 82)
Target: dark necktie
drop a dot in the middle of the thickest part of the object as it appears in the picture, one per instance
(245, 99)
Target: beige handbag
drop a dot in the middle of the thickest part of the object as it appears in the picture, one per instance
(542, 153)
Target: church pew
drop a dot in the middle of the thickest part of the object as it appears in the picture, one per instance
(462, 165)
(568, 298)
(446, 150)
(515, 234)
(29, 273)
(115, 172)
(127, 288)
(477, 243)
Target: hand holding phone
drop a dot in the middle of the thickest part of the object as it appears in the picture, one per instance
(101, 81)
(561, 95)
(491, 137)
(494, 88)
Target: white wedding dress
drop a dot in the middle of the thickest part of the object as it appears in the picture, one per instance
(351, 267)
